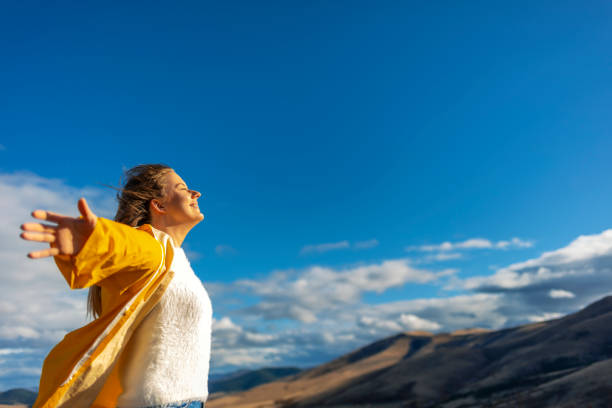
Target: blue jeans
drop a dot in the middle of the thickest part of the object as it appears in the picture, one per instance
(193, 404)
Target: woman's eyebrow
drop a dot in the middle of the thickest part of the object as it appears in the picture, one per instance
(178, 184)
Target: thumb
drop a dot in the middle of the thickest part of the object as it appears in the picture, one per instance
(85, 211)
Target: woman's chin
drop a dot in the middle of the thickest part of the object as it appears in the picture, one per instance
(196, 214)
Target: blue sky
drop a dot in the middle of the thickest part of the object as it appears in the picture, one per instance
(335, 143)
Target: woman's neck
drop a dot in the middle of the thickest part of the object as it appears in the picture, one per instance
(177, 232)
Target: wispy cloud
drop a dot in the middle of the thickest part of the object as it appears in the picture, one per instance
(301, 296)
(320, 248)
(442, 256)
(192, 255)
(543, 317)
(366, 244)
(561, 294)
(473, 243)
(36, 306)
(405, 322)
(2, 147)
(334, 246)
(224, 250)
(8, 351)
(235, 345)
(584, 258)
(343, 328)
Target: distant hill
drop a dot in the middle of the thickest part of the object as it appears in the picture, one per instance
(559, 363)
(245, 380)
(226, 376)
(18, 396)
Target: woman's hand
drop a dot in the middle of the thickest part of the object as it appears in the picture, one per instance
(66, 238)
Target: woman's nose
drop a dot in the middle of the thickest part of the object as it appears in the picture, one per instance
(196, 194)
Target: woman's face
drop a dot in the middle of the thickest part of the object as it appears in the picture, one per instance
(179, 203)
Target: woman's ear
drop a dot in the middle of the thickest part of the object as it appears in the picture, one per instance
(157, 206)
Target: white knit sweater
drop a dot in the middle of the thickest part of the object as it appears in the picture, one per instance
(167, 359)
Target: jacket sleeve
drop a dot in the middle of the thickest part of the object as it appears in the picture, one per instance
(112, 247)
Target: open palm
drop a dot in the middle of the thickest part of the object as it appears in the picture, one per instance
(66, 235)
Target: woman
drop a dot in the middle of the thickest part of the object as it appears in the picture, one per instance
(149, 345)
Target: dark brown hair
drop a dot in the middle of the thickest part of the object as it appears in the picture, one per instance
(143, 184)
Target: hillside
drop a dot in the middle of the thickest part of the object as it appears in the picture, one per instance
(246, 379)
(17, 396)
(559, 363)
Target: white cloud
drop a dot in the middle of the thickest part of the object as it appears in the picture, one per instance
(236, 346)
(31, 372)
(344, 329)
(366, 244)
(334, 246)
(7, 351)
(441, 257)
(259, 338)
(447, 272)
(36, 306)
(379, 324)
(413, 322)
(225, 324)
(543, 317)
(449, 314)
(320, 248)
(246, 357)
(236, 336)
(587, 255)
(560, 294)
(472, 243)
(302, 296)
(16, 332)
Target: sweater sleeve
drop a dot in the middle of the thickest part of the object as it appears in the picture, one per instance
(112, 247)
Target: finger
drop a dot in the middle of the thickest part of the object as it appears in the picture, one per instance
(38, 227)
(44, 253)
(38, 236)
(85, 211)
(50, 216)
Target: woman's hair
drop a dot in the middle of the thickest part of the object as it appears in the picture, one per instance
(143, 184)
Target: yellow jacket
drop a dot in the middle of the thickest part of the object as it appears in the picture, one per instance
(131, 265)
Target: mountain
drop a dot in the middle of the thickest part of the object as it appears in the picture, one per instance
(245, 379)
(17, 396)
(559, 363)
(226, 376)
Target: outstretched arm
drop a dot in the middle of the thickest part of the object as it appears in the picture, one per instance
(65, 235)
(89, 249)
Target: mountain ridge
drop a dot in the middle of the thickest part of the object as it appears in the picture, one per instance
(470, 368)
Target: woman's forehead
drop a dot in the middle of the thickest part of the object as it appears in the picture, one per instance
(173, 179)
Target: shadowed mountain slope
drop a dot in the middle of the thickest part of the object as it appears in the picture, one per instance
(558, 363)
(17, 396)
(248, 379)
